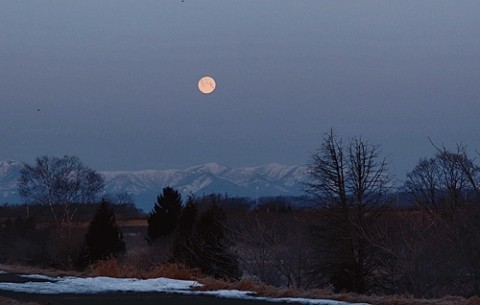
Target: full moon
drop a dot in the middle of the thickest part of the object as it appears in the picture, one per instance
(206, 84)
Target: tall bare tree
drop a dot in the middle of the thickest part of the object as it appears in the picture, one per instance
(59, 183)
(351, 183)
(444, 182)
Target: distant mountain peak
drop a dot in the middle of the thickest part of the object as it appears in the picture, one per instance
(8, 167)
(268, 180)
(211, 167)
(5, 164)
(144, 185)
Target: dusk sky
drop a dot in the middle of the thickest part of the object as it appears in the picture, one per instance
(115, 82)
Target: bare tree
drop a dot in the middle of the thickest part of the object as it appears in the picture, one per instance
(444, 182)
(442, 251)
(351, 183)
(423, 183)
(415, 253)
(59, 183)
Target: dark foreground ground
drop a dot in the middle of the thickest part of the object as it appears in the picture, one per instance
(127, 299)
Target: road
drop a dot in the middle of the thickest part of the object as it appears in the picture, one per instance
(128, 299)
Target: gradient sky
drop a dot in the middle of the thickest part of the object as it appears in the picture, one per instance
(115, 82)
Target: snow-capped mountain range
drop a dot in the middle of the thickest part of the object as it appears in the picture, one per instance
(268, 180)
(9, 174)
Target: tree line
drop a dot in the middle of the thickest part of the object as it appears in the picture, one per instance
(197, 240)
(355, 238)
(366, 244)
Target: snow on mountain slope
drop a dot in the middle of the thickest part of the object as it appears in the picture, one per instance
(267, 180)
(212, 167)
(9, 171)
(9, 174)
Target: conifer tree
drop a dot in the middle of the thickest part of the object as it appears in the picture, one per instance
(103, 239)
(215, 257)
(185, 244)
(164, 216)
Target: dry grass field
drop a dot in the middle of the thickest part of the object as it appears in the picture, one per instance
(115, 268)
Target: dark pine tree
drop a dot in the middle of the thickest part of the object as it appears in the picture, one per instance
(164, 216)
(215, 257)
(103, 239)
(185, 248)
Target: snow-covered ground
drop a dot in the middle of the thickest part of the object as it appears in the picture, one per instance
(55, 285)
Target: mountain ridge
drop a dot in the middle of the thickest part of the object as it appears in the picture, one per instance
(271, 179)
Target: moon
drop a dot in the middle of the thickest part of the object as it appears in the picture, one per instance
(206, 84)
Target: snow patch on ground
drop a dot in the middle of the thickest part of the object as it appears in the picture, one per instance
(231, 294)
(94, 285)
(248, 295)
(37, 277)
(55, 285)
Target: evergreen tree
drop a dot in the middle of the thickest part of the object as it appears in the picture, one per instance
(185, 244)
(164, 216)
(215, 257)
(103, 238)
